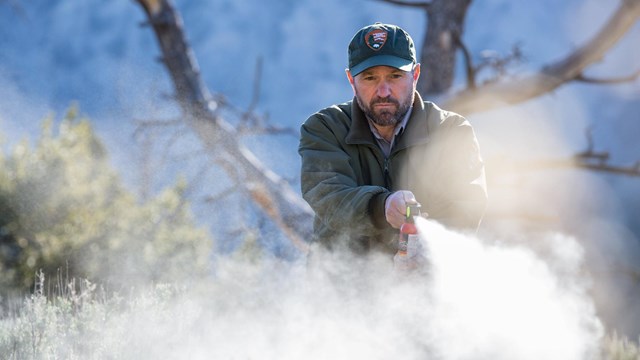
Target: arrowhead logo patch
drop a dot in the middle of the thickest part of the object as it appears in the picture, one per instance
(375, 39)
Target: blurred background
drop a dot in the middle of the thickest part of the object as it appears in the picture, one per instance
(283, 61)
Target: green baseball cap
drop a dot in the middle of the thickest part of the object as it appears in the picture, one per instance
(381, 44)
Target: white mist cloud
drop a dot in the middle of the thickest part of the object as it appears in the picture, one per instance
(498, 302)
(479, 300)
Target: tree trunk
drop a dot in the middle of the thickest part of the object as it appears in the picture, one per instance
(445, 24)
(220, 140)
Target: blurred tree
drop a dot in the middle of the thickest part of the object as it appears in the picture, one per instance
(221, 141)
(62, 208)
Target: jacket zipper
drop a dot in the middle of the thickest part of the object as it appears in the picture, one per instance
(385, 166)
(387, 176)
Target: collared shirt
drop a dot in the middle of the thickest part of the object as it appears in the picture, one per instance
(385, 145)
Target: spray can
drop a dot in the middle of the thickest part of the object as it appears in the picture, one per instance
(408, 241)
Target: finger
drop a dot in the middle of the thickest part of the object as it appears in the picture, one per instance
(409, 198)
(394, 217)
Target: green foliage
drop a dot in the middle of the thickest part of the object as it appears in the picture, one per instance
(62, 206)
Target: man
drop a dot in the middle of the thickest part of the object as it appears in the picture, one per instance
(364, 160)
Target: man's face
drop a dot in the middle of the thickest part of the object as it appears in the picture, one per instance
(385, 93)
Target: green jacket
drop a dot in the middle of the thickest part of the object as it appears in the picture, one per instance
(346, 178)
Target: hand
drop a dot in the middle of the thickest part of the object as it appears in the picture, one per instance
(395, 207)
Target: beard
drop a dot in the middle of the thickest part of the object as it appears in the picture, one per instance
(385, 117)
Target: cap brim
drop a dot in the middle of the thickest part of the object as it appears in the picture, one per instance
(388, 60)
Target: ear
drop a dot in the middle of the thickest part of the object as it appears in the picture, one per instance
(351, 80)
(416, 72)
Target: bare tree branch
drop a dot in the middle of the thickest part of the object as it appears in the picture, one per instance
(421, 4)
(599, 160)
(587, 159)
(267, 130)
(144, 125)
(552, 76)
(250, 122)
(620, 80)
(493, 61)
(292, 215)
(157, 122)
(581, 162)
(268, 204)
(255, 98)
(468, 62)
(220, 196)
(575, 162)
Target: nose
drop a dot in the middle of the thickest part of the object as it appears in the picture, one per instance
(384, 89)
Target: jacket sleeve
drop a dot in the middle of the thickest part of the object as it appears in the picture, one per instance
(329, 182)
(463, 196)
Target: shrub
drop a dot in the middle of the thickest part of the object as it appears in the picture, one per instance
(63, 206)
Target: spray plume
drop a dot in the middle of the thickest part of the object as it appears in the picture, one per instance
(478, 300)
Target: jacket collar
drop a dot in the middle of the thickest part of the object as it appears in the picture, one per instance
(359, 132)
(416, 131)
